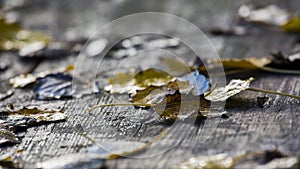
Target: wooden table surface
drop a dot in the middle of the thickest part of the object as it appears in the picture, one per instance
(249, 127)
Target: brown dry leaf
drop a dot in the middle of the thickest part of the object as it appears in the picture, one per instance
(234, 87)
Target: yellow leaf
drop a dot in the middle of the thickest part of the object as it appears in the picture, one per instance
(293, 25)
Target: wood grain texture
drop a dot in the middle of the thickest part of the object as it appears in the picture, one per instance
(249, 126)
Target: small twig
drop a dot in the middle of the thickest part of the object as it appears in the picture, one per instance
(273, 92)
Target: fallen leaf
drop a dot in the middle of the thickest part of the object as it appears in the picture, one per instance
(292, 25)
(278, 64)
(247, 63)
(130, 82)
(53, 86)
(56, 86)
(26, 79)
(12, 120)
(223, 93)
(13, 36)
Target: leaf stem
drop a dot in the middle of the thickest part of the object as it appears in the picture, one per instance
(120, 104)
(285, 71)
(273, 92)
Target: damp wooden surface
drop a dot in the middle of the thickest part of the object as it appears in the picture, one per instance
(249, 127)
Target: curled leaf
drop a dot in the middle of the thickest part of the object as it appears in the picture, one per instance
(223, 93)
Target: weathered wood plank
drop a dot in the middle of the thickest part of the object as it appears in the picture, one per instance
(248, 128)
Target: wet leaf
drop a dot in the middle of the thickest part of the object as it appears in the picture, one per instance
(26, 79)
(223, 93)
(12, 120)
(130, 83)
(219, 161)
(56, 86)
(13, 36)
